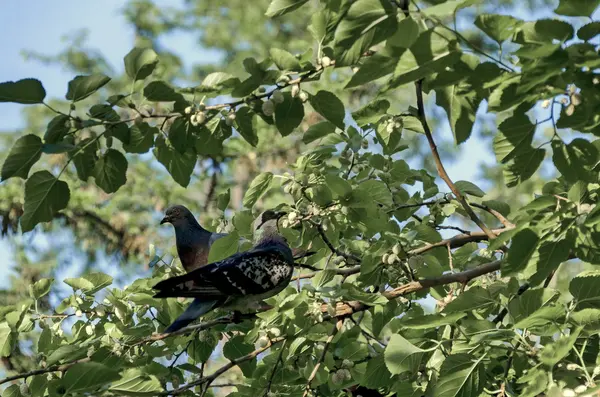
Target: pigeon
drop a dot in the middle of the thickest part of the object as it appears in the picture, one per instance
(240, 280)
(194, 242)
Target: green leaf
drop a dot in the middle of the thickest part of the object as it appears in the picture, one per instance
(402, 356)
(498, 27)
(584, 289)
(338, 186)
(460, 375)
(475, 298)
(218, 82)
(362, 17)
(224, 247)
(317, 131)
(236, 348)
(223, 200)
(460, 102)
(329, 106)
(573, 159)
(406, 34)
(245, 122)
(377, 374)
(577, 8)
(180, 166)
(140, 62)
(179, 134)
(159, 91)
(57, 128)
(44, 197)
(40, 288)
(88, 376)
(577, 192)
(527, 306)
(110, 171)
(90, 283)
(141, 137)
(542, 316)
(26, 151)
(522, 247)
(25, 91)
(65, 353)
(376, 66)
(377, 191)
(288, 114)
(82, 87)
(431, 53)
(543, 31)
(284, 60)
(85, 160)
(469, 188)
(12, 391)
(257, 188)
(431, 320)
(523, 166)
(551, 255)
(589, 31)
(322, 278)
(354, 351)
(371, 113)
(281, 7)
(536, 382)
(7, 340)
(556, 351)
(137, 382)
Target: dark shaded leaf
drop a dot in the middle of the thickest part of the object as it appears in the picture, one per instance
(257, 188)
(110, 171)
(26, 151)
(140, 63)
(83, 86)
(44, 197)
(25, 91)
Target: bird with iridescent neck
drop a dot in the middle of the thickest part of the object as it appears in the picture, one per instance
(241, 280)
(193, 241)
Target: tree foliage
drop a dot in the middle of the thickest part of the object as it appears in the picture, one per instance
(311, 121)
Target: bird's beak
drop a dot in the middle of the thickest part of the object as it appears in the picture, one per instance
(165, 220)
(280, 214)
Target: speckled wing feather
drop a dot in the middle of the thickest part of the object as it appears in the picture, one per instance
(254, 272)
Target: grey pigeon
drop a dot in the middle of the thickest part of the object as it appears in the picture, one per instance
(240, 280)
(192, 240)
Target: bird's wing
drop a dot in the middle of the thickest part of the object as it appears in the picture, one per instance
(248, 273)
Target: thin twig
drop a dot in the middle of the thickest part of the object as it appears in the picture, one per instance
(321, 232)
(440, 167)
(274, 369)
(498, 215)
(53, 368)
(313, 374)
(208, 379)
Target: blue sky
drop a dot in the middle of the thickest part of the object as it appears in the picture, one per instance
(41, 26)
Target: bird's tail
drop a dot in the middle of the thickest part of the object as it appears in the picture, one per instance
(195, 309)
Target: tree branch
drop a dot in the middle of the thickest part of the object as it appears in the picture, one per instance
(268, 390)
(222, 370)
(498, 215)
(321, 231)
(334, 331)
(440, 167)
(344, 309)
(53, 368)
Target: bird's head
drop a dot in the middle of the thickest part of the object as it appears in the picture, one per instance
(177, 215)
(267, 220)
